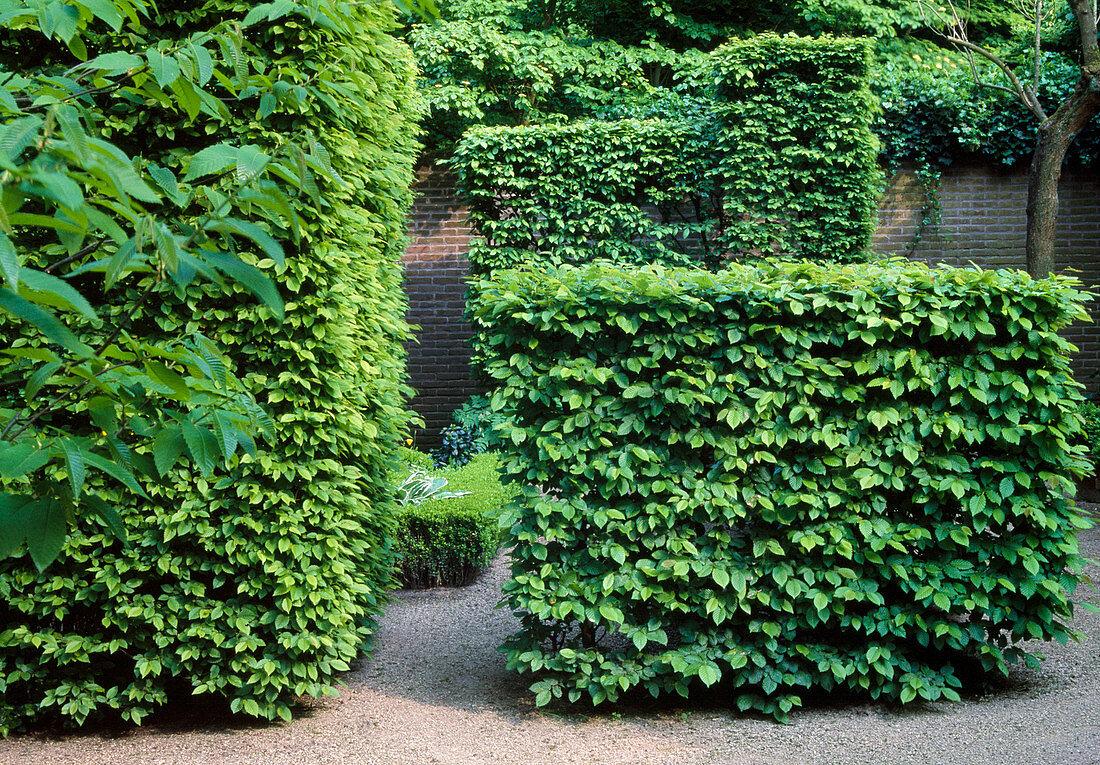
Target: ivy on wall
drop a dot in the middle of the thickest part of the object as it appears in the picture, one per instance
(934, 119)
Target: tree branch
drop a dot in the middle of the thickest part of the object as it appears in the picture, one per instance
(1037, 76)
(1085, 11)
(1028, 98)
(85, 250)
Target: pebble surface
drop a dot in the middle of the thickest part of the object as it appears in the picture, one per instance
(436, 691)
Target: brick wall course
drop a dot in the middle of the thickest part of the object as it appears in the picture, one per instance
(983, 222)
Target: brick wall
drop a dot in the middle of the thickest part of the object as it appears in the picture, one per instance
(983, 223)
(435, 273)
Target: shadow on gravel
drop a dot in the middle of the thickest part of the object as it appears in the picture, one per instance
(438, 647)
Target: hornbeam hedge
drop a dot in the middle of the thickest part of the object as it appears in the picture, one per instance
(784, 477)
(259, 585)
(780, 161)
(794, 148)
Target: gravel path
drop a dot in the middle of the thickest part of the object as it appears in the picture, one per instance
(436, 691)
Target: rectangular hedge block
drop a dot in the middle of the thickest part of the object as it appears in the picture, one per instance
(784, 477)
(559, 194)
(795, 150)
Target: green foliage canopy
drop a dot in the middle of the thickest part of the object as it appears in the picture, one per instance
(509, 62)
(742, 175)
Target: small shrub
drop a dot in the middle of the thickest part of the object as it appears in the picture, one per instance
(446, 542)
(415, 458)
(477, 415)
(472, 433)
(1090, 416)
(460, 445)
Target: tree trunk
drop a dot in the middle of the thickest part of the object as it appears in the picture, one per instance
(1042, 199)
(1055, 136)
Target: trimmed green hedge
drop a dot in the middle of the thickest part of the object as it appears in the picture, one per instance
(784, 477)
(446, 542)
(785, 164)
(795, 148)
(572, 193)
(263, 586)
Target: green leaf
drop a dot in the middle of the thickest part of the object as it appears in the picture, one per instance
(110, 516)
(612, 614)
(13, 526)
(252, 278)
(47, 527)
(166, 70)
(60, 291)
(40, 377)
(168, 447)
(202, 445)
(19, 135)
(211, 161)
(56, 186)
(42, 320)
(114, 62)
(251, 231)
(9, 263)
(104, 10)
(116, 471)
(17, 460)
(169, 379)
(167, 182)
(709, 673)
(250, 163)
(74, 459)
(226, 434)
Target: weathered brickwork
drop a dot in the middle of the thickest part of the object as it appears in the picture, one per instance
(983, 222)
(435, 278)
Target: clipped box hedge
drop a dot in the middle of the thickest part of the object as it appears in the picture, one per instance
(784, 477)
(447, 542)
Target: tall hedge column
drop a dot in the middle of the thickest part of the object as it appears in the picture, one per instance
(260, 587)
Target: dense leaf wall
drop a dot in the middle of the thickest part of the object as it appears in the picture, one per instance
(782, 161)
(795, 149)
(784, 477)
(560, 194)
(260, 587)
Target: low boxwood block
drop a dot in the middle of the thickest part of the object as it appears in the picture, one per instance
(447, 542)
(784, 477)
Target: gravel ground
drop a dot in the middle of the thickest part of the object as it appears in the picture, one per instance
(436, 691)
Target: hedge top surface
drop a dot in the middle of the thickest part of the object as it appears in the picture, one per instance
(775, 282)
